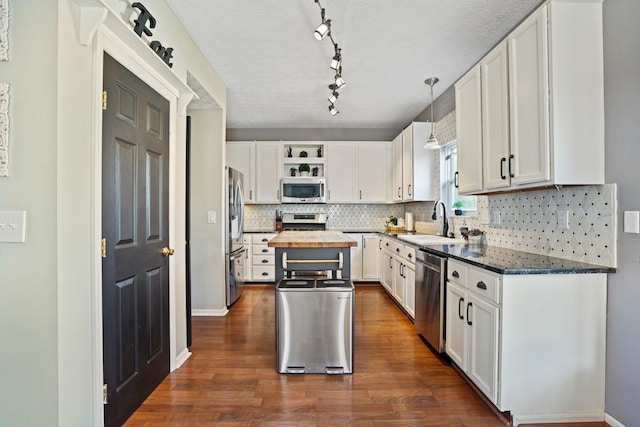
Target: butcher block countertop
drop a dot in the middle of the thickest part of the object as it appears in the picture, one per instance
(312, 239)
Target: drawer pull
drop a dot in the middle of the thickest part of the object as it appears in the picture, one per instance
(455, 274)
(265, 261)
(265, 240)
(264, 273)
(482, 286)
(410, 256)
(468, 318)
(265, 250)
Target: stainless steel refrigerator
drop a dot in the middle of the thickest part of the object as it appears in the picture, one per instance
(235, 252)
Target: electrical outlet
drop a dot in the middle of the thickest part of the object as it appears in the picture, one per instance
(13, 226)
(211, 217)
(563, 220)
(496, 217)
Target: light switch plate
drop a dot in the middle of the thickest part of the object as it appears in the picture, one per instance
(211, 217)
(632, 222)
(13, 226)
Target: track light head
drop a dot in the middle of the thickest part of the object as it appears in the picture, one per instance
(334, 97)
(323, 29)
(332, 110)
(339, 80)
(336, 61)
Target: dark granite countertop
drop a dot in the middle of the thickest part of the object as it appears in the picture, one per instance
(509, 261)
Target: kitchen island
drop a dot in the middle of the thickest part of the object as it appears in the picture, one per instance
(301, 252)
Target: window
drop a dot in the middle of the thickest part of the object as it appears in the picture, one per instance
(449, 192)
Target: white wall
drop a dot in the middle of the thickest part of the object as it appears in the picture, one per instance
(207, 244)
(622, 151)
(28, 309)
(48, 359)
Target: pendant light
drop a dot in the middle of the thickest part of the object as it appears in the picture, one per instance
(432, 142)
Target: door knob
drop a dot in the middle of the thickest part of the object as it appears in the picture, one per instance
(166, 251)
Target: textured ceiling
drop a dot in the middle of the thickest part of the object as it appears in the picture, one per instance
(277, 74)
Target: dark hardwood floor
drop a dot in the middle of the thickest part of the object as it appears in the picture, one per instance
(231, 378)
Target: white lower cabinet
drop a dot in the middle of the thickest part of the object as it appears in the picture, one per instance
(365, 262)
(525, 339)
(261, 258)
(398, 273)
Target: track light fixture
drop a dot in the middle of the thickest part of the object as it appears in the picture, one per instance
(432, 142)
(324, 30)
(336, 61)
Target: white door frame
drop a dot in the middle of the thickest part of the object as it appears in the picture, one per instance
(107, 39)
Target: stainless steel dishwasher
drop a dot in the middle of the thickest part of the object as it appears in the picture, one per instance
(431, 273)
(314, 326)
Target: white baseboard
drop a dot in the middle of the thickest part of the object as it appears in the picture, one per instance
(557, 418)
(207, 312)
(182, 357)
(612, 421)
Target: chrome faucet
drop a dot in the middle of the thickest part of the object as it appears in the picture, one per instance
(445, 224)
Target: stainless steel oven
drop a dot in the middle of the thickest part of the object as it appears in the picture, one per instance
(303, 190)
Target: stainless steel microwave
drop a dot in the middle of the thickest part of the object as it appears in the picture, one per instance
(303, 190)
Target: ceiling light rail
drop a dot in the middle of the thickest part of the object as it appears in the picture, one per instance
(324, 30)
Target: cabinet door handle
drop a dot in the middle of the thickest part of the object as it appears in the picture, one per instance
(390, 262)
(511, 174)
(409, 189)
(409, 256)
(278, 194)
(380, 244)
(402, 270)
(468, 318)
(460, 302)
(400, 192)
(329, 194)
(360, 194)
(455, 274)
(250, 194)
(455, 179)
(502, 162)
(482, 285)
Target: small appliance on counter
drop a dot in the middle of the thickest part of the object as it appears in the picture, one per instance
(278, 220)
(409, 224)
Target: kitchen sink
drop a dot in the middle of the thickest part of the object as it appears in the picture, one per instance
(429, 239)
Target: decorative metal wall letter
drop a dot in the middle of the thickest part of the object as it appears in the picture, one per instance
(4, 30)
(4, 129)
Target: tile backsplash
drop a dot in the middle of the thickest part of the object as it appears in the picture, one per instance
(345, 217)
(528, 220)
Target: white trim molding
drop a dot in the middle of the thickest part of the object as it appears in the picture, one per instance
(4, 30)
(209, 312)
(4, 129)
(612, 421)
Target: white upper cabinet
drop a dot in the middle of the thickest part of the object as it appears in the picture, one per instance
(495, 118)
(241, 156)
(413, 165)
(529, 88)
(373, 171)
(541, 110)
(268, 161)
(357, 172)
(469, 132)
(342, 163)
(396, 193)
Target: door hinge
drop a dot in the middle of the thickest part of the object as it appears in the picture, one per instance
(105, 392)
(103, 248)
(104, 99)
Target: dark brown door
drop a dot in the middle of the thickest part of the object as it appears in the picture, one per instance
(135, 274)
